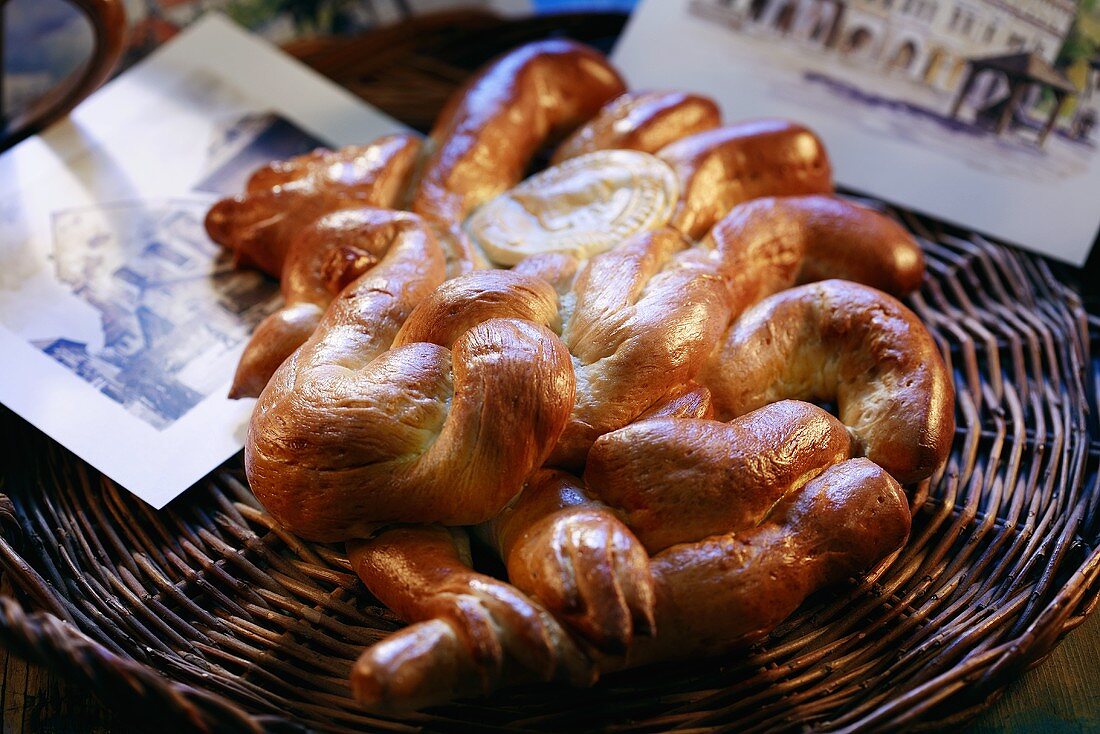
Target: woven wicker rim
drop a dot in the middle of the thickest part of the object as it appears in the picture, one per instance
(208, 617)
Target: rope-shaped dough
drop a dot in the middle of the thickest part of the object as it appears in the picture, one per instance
(841, 342)
(645, 121)
(285, 196)
(470, 634)
(414, 400)
(354, 431)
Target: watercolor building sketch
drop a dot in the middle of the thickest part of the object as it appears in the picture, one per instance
(171, 305)
(1009, 86)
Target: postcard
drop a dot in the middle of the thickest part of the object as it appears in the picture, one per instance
(981, 113)
(120, 321)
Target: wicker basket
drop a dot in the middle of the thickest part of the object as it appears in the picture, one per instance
(208, 617)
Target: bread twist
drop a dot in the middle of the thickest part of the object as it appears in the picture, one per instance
(645, 121)
(638, 320)
(671, 480)
(719, 169)
(676, 480)
(575, 556)
(770, 244)
(285, 196)
(714, 595)
(417, 399)
(731, 590)
(470, 634)
(324, 257)
(846, 343)
(645, 316)
(354, 431)
(579, 560)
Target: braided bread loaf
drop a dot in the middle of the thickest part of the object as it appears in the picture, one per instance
(665, 270)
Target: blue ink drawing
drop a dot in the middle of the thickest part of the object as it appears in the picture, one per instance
(172, 307)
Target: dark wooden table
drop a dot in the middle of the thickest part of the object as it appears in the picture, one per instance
(1062, 696)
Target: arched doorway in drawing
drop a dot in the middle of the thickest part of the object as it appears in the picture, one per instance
(821, 29)
(933, 67)
(784, 19)
(902, 58)
(955, 76)
(987, 86)
(857, 42)
(822, 18)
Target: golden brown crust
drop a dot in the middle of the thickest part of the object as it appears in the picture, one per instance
(844, 342)
(690, 400)
(494, 125)
(466, 301)
(729, 591)
(324, 257)
(350, 433)
(770, 244)
(285, 196)
(643, 318)
(719, 169)
(577, 558)
(473, 632)
(677, 480)
(645, 121)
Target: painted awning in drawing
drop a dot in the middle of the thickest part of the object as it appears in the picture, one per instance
(1028, 67)
(1022, 70)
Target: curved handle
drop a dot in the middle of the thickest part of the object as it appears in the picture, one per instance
(108, 21)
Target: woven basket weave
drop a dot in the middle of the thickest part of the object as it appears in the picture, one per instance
(208, 617)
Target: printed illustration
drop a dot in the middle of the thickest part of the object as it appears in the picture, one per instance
(1012, 88)
(170, 302)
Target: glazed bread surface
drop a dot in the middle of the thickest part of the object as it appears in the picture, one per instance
(604, 370)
